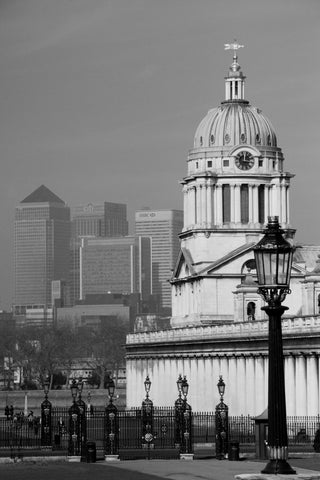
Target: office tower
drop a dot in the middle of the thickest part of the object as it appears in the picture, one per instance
(105, 219)
(101, 220)
(163, 226)
(120, 265)
(41, 247)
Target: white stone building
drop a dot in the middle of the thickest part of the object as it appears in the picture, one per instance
(235, 179)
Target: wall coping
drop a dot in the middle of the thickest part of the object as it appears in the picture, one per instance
(290, 325)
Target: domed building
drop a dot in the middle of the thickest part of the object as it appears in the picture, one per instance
(235, 180)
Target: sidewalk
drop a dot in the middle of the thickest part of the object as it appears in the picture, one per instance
(201, 469)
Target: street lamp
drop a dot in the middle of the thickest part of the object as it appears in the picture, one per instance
(178, 411)
(74, 422)
(221, 418)
(273, 256)
(111, 424)
(147, 417)
(147, 386)
(82, 418)
(46, 408)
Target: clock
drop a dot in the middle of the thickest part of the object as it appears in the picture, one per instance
(244, 160)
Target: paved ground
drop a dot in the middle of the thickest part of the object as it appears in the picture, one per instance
(210, 469)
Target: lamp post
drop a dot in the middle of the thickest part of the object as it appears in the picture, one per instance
(187, 413)
(221, 417)
(82, 419)
(147, 417)
(178, 415)
(74, 422)
(46, 408)
(111, 425)
(273, 256)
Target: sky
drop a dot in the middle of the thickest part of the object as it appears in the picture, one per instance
(100, 99)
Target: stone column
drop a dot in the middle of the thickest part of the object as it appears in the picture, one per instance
(290, 385)
(250, 188)
(301, 386)
(198, 214)
(241, 370)
(283, 204)
(192, 206)
(312, 384)
(185, 207)
(288, 204)
(260, 392)
(210, 221)
(255, 206)
(250, 384)
(266, 203)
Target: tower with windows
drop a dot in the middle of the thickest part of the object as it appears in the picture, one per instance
(235, 180)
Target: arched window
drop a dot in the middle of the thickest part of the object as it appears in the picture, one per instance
(251, 311)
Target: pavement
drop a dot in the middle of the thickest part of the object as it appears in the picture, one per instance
(211, 469)
(308, 468)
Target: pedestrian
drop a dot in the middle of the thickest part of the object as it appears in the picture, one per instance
(7, 411)
(11, 410)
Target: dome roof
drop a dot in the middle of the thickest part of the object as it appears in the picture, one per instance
(235, 122)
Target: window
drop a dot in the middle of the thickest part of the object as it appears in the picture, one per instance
(209, 163)
(260, 162)
(261, 203)
(226, 163)
(244, 202)
(226, 203)
(197, 164)
(251, 311)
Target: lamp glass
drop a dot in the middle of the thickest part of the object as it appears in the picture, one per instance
(74, 388)
(111, 387)
(273, 256)
(185, 387)
(179, 383)
(147, 384)
(221, 386)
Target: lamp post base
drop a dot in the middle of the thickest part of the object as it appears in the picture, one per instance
(278, 467)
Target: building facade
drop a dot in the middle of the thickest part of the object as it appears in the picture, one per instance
(105, 219)
(163, 226)
(236, 178)
(115, 265)
(41, 247)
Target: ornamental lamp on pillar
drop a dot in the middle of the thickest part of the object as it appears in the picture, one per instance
(221, 422)
(46, 414)
(185, 387)
(147, 386)
(273, 256)
(111, 425)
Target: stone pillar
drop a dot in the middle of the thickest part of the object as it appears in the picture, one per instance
(301, 386)
(290, 385)
(241, 371)
(283, 204)
(255, 206)
(250, 384)
(266, 203)
(185, 207)
(210, 221)
(261, 397)
(250, 188)
(312, 384)
(288, 205)
(199, 212)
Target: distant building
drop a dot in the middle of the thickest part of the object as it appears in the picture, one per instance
(101, 220)
(41, 247)
(105, 219)
(115, 265)
(163, 226)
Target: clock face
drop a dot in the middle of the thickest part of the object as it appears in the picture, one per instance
(244, 160)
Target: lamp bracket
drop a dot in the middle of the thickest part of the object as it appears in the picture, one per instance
(274, 296)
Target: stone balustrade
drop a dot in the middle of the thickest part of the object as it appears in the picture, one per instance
(236, 329)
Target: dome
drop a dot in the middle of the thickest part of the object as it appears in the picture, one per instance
(233, 123)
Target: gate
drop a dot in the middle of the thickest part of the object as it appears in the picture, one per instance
(156, 440)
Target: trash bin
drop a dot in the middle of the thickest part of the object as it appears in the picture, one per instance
(233, 453)
(91, 452)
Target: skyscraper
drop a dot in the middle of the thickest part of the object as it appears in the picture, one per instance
(101, 220)
(120, 265)
(105, 219)
(163, 226)
(41, 246)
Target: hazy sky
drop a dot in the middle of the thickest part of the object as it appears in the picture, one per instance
(100, 99)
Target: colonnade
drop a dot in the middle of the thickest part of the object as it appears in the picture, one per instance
(203, 203)
(245, 375)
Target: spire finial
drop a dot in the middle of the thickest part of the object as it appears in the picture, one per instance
(233, 46)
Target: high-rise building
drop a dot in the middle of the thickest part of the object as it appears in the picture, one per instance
(120, 265)
(105, 219)
(41, 247)
(101, 220)
(163, 226)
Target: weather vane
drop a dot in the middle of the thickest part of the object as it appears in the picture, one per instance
(233, 46)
